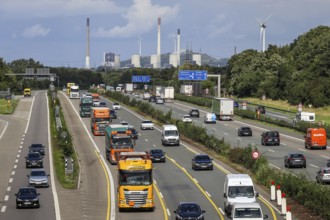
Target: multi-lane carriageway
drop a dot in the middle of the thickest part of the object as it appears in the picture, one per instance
(175, 181)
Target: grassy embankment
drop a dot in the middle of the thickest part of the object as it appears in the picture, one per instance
(8, 107)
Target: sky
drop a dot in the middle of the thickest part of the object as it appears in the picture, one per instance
(53, 32)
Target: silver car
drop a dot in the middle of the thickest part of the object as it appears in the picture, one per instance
(38, 178)
(323, 175)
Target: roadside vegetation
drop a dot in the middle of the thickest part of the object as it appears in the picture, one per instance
(8, 107)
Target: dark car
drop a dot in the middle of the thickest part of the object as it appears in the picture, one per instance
(202, 162)
(102, 104)
(194, 113)
(153, 99)
(295, 160)
(27, 197)
(135, 133)
(236, 105)
(244, 131)
(270, 138)
(34, 159)
(37, 148)
(157, 155)
(38, 178)
(328, 164)
(261, 109)
(113, 114)
(189, 210)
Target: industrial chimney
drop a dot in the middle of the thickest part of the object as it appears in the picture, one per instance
(178, 45)
(158, 45)
(87, 47)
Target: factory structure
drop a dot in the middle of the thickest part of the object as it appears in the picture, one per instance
(112, 60)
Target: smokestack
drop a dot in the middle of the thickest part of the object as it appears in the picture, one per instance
(158, 44)
(178, 49)
(87, 47)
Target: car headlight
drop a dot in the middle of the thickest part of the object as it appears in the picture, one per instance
(36, 199)
(179, 217)
(200, 217)
(163, 157)
(19, 200)
(210, 164)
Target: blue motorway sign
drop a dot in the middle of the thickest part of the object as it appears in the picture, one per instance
(140, 79)
(193, 75)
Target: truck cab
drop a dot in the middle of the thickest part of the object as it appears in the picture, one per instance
(27, 92)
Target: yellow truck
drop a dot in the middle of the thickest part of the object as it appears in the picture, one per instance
(68, 86)
(135, 182)
(27, 92)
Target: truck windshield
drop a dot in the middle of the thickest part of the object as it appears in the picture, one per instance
(102, 120)
(87, 103)
(74, 90)
(138, 178)
(171, 133)
(240, 191)
(247, 213)
(122, 142)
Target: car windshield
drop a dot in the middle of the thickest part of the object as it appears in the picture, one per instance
(186, 116)
(34, 156)
(171, 133)
(247, 213)
(202, 157)
(240, 191)
(326, 171)
(158, 151)
(143, 178)
(29, 191)
(272, 134)
(297, 156)
(122, 142)
(115, 103)
(245, 129)
(146, 122)
(38, 173)
(189, 208)
(194, 111)
(36, 146)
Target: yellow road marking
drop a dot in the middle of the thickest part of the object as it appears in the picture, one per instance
(161, 202)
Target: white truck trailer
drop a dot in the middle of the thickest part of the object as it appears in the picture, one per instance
(167, 93)
(128, 87)
(156, 90)
(223, 108)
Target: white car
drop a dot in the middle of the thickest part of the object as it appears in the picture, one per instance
(160, 101)
(116, 106)
(186, 118)
(136, 95)
(147, 124)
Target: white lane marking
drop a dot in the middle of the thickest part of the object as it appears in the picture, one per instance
(5, 128)
(239, 139)
(21, 147)
(168, 212)
(284, 144)
(225, 133)
(15, 166)
(222, 212)
(325, 156)
(214, 129)
(8, 188)
(18, 155)
(301, 149)
(314, 166)
(225, 125)
(6, 197)
(22, 142)
(23, 135)
(19, 151)
(16, 161)
(13, 173)
(195, 180)
(22, 139)
(208, 194)
(3, 209)
(146, 140)
(271, 150)
(154, 145)
(28, 122)
(161, 195)
(11, 180)
(275, 166)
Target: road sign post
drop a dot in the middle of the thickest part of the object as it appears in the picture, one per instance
(255, 154)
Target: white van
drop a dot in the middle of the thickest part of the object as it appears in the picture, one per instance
(251, 211)
(238, 188)
(170, 135)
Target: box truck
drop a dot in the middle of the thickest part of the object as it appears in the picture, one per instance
(129, 87)
(223, 108)
(167, 93)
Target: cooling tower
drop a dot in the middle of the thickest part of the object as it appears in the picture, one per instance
(136, 60)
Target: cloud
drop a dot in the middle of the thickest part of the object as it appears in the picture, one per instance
(35, 31)
(141, 17)
(52, 8)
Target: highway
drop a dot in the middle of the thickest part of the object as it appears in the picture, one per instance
(290, 141)
(27, 125)
(175, 179)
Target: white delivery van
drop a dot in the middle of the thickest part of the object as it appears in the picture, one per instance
(170, 135)
(251, 211)
(238, 188)
(210, 118)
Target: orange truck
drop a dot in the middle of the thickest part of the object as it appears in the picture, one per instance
(100, 119)
(118, 139)
(316, 138)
